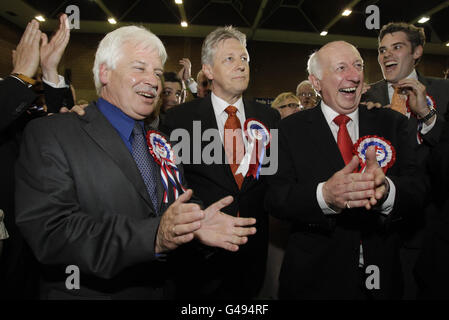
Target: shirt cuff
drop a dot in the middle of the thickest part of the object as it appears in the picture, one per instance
(193, 87)
(388, 204)
(320, 198)
(426, 128)
(60, 84)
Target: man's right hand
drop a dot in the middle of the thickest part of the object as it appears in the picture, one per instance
(346, 189)
(25, 58)
(178, 223)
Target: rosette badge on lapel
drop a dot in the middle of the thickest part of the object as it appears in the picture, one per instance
(385, 152)
(258, 137)
(162, 153)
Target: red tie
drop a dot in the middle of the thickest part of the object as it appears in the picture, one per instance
(344, 141)
(233, 142)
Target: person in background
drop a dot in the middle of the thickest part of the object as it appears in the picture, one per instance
(286, 103)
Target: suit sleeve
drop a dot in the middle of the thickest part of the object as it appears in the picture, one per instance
(56, 98)
(289, 196)
(55, 224)
(15, 98)
(412, 185)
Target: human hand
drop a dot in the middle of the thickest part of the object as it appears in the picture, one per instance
(178, 223)
(381, 186)
(186, 71)
(346, 189)
(26, 56)
(222, 230)
(51, 52)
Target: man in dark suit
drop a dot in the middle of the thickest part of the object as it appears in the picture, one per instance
(343, 243)
(401, 47)
(226, 63)
(433, 262)
(18, 106)
(89, 194)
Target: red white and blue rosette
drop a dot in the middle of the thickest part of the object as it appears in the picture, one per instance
(385, 152)
(258, 137)
(162, 153)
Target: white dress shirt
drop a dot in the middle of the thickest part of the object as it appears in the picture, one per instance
(221, 116)
(353, 130)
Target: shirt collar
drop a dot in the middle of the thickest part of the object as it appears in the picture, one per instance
(330, 113)
(123, 123)
(220, 105)
(412, 75)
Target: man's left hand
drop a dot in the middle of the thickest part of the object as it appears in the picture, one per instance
(222, 230)
(381, 186)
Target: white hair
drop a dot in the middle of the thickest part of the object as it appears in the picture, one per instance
(211, 42)
(109, 50)
(313, 65)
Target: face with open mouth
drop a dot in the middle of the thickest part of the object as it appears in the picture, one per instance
(395, 56)
(342, 76)
(134, 85)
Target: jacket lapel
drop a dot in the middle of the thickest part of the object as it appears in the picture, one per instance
(104, 134)
(322, 139)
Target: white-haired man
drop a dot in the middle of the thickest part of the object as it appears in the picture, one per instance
(343, 243)
(307, 95)
(226, 63)
(90, 191)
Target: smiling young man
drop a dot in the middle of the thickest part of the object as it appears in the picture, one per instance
(401, 48)
(342, 220)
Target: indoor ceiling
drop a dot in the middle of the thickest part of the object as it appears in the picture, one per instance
(292, 21)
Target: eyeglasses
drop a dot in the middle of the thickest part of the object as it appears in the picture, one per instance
(290, 105)
(306, 94)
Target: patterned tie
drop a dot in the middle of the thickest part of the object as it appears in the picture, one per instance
(344, 141)
(233, 142)
(398, 102)
(145, 162)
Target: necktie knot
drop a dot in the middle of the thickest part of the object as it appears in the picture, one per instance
(137, 130)
(231, 111)
(341, 119)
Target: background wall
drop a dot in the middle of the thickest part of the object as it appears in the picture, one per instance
(275, 67)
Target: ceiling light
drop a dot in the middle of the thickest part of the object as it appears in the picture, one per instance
(112, 21)
(178, 1)
(346, 13)
(423, 19)
(40, 18)
(184, 24)
(323, 33)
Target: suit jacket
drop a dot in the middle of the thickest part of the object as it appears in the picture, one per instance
(224, 274)
(16, 275)
(432, 265)
(81, 201)
(322, 255)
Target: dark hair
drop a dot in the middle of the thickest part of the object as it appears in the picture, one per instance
(171, 76)
(415, 35)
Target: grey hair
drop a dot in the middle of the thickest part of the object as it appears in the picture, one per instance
(109, 50)
(313, 65)
(213, 38)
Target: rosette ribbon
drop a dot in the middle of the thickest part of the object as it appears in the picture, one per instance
(162, 153)
(385, 152)
(258, 138)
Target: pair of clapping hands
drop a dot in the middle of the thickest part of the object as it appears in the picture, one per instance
(348, 189)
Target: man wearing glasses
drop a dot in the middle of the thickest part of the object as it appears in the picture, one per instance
(306, 95)
(287, 104)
